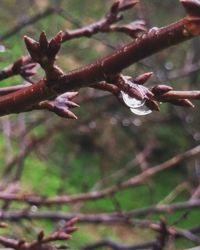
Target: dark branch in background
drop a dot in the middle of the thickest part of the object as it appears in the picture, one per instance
(106, 23)
(118, 246)
(114, 15)
(189, 234)
(158, 244)
(107, 218)
(27, 21)
(43, 242)
(132, 182)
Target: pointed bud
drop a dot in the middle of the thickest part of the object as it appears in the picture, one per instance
(192, 7)
(40, 236)
(32, 47)
(29, 66)
(153, 105)
(161, 89)
(54, 44)
(71, 104)
(127, 4)
(182, 102)
(134, 92)
(63, 236)
(17, 65)
(71, 115)
(70, 95)
(43, 41)
(141, 79)
(193, 25)
(114, 8)
(28, 73)
(149, 94)
(58, 37)
(71, 222)
(65, 112)
(21, 243)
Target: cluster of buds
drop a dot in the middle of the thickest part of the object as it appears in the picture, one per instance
(61, 105)
(63, 233)
(44, 52)
(132, 29)
(42, 242)
(143, 101)
(121, 5)
(24, 68)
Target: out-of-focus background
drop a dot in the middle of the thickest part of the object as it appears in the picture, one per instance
(46, 155)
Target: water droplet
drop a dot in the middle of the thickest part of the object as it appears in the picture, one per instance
(131, 101)
(34, 209)
(169, 65)
(142, 110)
(2, 48)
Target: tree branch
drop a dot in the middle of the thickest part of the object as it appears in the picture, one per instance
(144, 46)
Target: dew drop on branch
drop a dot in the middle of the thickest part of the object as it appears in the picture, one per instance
(131, 101)
(136, 106)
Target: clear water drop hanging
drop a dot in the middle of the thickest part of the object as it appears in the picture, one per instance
(142, 110)
(129, 100)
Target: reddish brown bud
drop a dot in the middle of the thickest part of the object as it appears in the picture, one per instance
(40, 236)
(70, 95)
(131, 29)
(71, 222)
(70, 229)
(71, 104)
(33, 47)
(134, 92)
(21, 243)
(29, 66)
(54, 44)
(182, 102)
(153, 105)
(114, 8)
(161, 89)
(70, 115)
(58, 37)
(63, 236)
(17, 65)
(149, 94)
(193, 25)
(43, 41)
(64, 112)
(192, 7)
(141, 79)
(127, 4)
